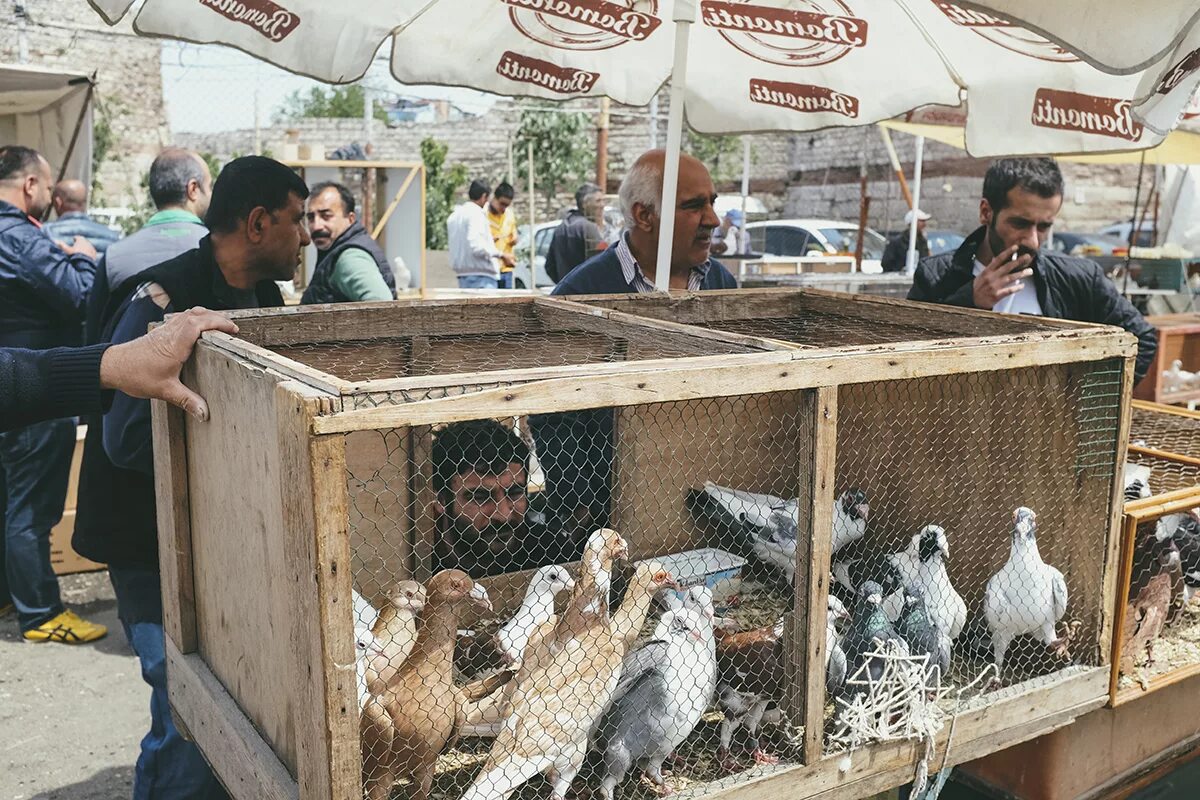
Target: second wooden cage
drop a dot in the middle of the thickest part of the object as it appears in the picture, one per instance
(355, 453)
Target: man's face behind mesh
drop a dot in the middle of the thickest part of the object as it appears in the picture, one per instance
(488, 510)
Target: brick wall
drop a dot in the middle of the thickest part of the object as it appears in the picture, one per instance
(69, 35)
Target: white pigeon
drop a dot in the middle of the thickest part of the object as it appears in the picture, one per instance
(364, 642)
(1027, 595)
(1177, 379)
(1137, 481)
(849, 518)
(835, 657)
(922, 565)
(536, 610)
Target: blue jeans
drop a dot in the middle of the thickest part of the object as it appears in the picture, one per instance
(506, 280)
(35, 462)
(477, 282)
(169, 767)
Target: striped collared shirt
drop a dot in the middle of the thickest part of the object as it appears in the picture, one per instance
(634, 276)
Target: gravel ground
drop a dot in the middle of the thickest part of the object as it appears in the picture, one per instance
(71, 716)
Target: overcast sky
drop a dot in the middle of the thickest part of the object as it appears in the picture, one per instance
(197, 81)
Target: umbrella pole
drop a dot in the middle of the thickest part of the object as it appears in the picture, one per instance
(1137, 199)
(910, 265)
(896, 168)
(685, 15)
(741, 235)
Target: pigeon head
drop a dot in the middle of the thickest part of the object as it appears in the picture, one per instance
(605, 545)
(870, 592)
(454, 586)
(931, 542)
(854, 503)
(554, 579)
(700, 599)
(1024, 525)
(687, 622)
(408, 596)
(913, 598)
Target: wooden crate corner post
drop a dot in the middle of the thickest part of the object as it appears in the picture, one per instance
(314, 500)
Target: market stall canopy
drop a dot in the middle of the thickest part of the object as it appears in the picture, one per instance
(1179, 147)
(42, 109)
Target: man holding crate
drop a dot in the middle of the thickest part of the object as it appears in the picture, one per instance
(256, 223)
(1003, 267)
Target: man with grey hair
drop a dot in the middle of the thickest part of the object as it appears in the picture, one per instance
(631, 265)
(180, 186)
(578, 237)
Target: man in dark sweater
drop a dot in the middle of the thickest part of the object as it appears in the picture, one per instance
(993, 267)
(37, 385)
(578, 237)
(256, 219)
(630, 266)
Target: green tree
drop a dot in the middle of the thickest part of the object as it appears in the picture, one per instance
(441, 182)
(721, 154)
(333, 101)
(563, 149)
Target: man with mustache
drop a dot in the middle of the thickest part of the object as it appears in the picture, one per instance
(487, 522)
(351, 266)
(631, 265)
(1003, 267)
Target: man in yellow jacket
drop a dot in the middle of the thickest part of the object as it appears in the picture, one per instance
(504, 229)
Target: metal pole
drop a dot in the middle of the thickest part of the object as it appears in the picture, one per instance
(685, 15)
(743, 240)
(532, 221)
(910, 262)
(602, 146)
(1137, 198)
(896, 168)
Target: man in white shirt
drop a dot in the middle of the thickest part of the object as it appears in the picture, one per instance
(473, 253)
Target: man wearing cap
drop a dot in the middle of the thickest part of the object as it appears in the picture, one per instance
(895, 254)
(730, 236)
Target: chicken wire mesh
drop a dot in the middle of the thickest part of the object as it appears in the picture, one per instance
(579, 595)
(493, 657)
(1166, 429)
(815, 320)
(989, 498)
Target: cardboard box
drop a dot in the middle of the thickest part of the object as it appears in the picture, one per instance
(64, 559)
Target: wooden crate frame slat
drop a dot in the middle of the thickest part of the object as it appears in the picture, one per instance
(313, 412)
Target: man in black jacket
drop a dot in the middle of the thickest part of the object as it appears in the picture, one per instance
(256, 219)
(578, 237)
(992, 268)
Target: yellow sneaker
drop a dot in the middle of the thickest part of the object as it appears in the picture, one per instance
(67, 628)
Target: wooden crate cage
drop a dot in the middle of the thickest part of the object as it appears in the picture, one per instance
(1159, 628)
(1178, 340)
(317, 477)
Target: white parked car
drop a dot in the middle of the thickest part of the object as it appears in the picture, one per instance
(542, 234)
(792, 238)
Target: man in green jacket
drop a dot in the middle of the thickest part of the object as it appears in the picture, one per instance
(351, 266)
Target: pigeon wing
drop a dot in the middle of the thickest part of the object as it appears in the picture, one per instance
(1059, 589)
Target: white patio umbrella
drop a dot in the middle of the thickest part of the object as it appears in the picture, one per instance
(735, 65)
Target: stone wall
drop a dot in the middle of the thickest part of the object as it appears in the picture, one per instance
(825, 183)
(69, 35)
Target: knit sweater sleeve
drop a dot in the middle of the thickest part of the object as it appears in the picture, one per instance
(37, 385)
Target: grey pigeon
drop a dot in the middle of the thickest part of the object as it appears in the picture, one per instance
(665, 688)
(869, 632)
(1184, 530)
(920, 631)
(1027, 595)
(766, 525)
